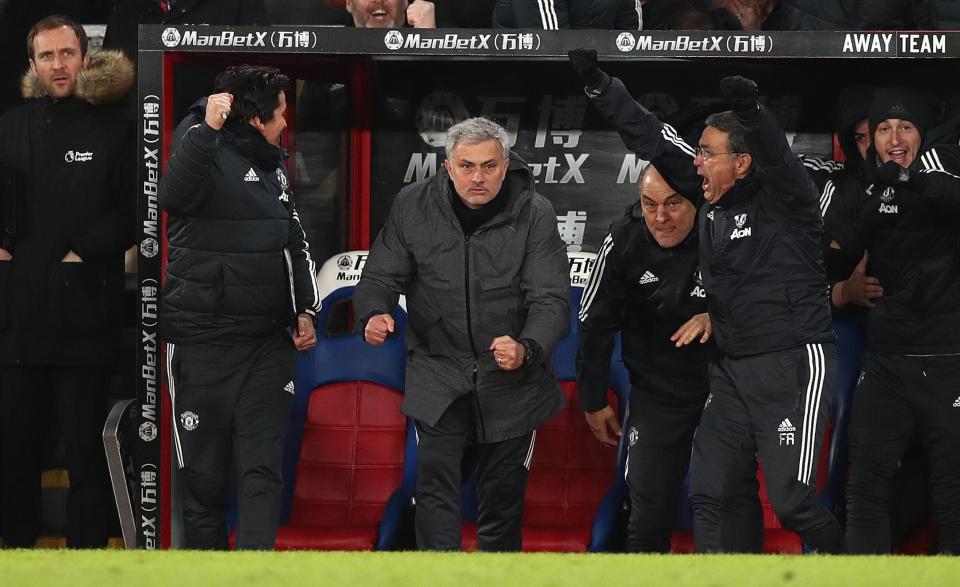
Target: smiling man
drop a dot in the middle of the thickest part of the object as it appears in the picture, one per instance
(908, 387)
(771, 387)
(66, 226)
(392, 14)
(476, 251)
(646, 285)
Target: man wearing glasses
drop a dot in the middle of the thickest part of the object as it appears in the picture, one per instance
(771, 386)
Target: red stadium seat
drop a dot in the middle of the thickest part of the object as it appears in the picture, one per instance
(569, 475)
(351, 459)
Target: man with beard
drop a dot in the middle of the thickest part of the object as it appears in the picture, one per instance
(909, 383)
(476, 251)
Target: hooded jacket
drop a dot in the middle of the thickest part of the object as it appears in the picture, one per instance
(239, 268)
(913, 239)
(510, 277)
(72, 188)
(843, 193)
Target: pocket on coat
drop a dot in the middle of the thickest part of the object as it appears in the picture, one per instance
(76, 297)
(501, 306)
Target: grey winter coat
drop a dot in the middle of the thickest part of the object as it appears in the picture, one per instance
(510, 277)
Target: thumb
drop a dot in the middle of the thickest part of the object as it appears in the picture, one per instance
(390, 323)
(862, 265)
(615, 426)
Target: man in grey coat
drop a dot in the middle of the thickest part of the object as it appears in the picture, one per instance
(476, 251)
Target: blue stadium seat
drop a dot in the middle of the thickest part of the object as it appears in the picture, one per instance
(349, 447)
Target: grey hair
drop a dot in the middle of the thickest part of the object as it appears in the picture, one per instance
(476, 130)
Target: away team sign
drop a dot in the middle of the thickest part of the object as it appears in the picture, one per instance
(551, 44)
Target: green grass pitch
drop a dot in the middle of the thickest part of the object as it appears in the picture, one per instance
(188, 569)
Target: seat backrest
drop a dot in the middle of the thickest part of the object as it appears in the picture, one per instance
(351, 455)
(571, 471)
(345, 446)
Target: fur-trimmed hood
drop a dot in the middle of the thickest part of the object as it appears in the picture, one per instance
(107, 79)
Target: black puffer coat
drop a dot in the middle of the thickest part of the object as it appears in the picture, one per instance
(240, 267)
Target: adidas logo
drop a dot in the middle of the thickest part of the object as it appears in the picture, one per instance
(956, 403)
(710, 214)
(288, 387)
(648, 278)
(251, 176)
(786, 426)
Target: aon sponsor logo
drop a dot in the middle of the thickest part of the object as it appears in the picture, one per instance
(889, 209)
(698, 292)
(741, 233)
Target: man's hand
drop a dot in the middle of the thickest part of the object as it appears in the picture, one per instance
(421, 14)
(601, 421)
(508, 353)
(71, 257)
(378, 328)
(892, 174)
(5, 255)
(859, 288)
(305, 338)
(699, 325)
(584, 62)
(740, 94)
(218, 108)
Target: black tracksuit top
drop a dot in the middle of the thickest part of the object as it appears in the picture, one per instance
(761, 253)
(638, 288)
(646, 292)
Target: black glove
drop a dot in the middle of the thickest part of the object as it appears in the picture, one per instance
(740, 94)
(584, 62)
(892, 174)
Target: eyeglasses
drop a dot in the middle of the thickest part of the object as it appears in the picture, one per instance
(707, 155)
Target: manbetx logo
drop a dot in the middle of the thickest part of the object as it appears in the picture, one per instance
(224, 39)
(395, 40)
(626, 43)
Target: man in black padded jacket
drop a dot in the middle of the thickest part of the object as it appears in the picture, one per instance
(240, 284)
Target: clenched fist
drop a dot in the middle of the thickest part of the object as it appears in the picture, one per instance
(218, 108)
(421, 14)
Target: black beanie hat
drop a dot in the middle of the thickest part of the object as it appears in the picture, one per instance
(903, 104)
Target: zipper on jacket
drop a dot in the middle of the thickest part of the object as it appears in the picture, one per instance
(473, 347)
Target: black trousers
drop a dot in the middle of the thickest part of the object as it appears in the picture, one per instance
(35, 404)
(231, 408)
(775, 406)
(502, 470)
(900, 397)
(659, 438)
